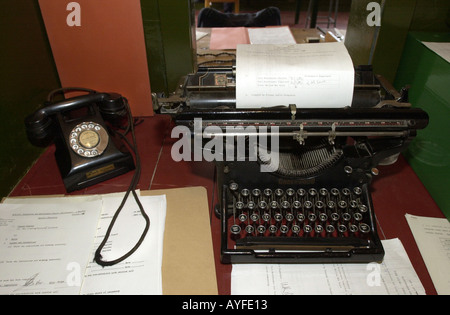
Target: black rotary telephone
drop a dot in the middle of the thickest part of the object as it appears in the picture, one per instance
(84, 130)
(90, 147)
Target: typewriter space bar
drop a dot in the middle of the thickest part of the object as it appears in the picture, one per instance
(301, 243)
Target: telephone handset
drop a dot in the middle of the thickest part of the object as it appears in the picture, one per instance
(83, 128)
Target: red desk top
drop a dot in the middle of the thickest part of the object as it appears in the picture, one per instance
(395, 191)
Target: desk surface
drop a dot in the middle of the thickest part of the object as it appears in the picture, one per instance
(395, 192)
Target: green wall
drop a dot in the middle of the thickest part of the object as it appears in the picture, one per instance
(170, 41)
(383, 46)
(27, 74)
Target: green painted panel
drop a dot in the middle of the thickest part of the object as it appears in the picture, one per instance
(170, 40)
(27, 74)
(428, 76)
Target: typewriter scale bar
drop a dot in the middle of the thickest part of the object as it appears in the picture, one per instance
(394, 128)
(299, 226)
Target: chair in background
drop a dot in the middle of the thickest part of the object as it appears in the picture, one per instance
(236, 3)
(209, 17)
(311, 15)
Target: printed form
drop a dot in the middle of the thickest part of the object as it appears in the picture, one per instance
(48, 245)
(394, 276)
(319, 75)
(432, 236)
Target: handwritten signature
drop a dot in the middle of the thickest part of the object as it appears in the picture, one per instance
(30, 282)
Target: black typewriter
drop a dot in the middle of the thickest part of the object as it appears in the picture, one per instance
(315, 205)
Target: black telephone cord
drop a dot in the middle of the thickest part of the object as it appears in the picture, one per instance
(98, 257)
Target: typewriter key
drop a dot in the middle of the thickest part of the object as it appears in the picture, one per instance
(363, 227)
(279, 192)
(300, 217)
(301, 192)
(346, 216)
(353, 228)
(290, 192)
(318, 229)
(342, 204)
(262, 205)
(296, 204)
(254, 217)
(334, 217)
(266, 217)
(357, 216)
(342, 228)
(285, 204)
(251, 205)
(308, 205)
(234, 186)
(240, 205)
(307, 228)
(312, 191)
(357, 190)
(295, 229)
(267, 192)
(242, 217)
(323, 217)
(319, 205)
(273, 229)
(289, 217)
(284, 229)
(346, 192)
(331, 204)
(235, 231)
(278, 217)
(274, 204)
(261, 229)
(256, 192)
(312, 217)
(363, 208)
(335, 192)
(249, 229)
(329, 228)
(245, 192)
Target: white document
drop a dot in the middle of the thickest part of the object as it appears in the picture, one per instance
(141, 272)
(442, 49)
(271, 35)
(395, 275)
(53, 253)
(432, 236)
(308, 75)
(45, 248)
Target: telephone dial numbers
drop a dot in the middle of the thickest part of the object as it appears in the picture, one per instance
(88, 139)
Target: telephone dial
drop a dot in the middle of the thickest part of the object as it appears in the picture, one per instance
(85, 130)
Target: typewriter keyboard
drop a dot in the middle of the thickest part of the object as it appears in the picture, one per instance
(302, 212)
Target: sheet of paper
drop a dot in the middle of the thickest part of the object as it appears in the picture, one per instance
(228, 37)
(140, 273)
(200, 34)
(42, 250)
(271, 35)
(395, 275)
(432, 236)
(307, 75)
(442, 49)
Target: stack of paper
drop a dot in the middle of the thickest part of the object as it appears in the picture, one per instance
(394, 276)
(48, 245)
(432, 236)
